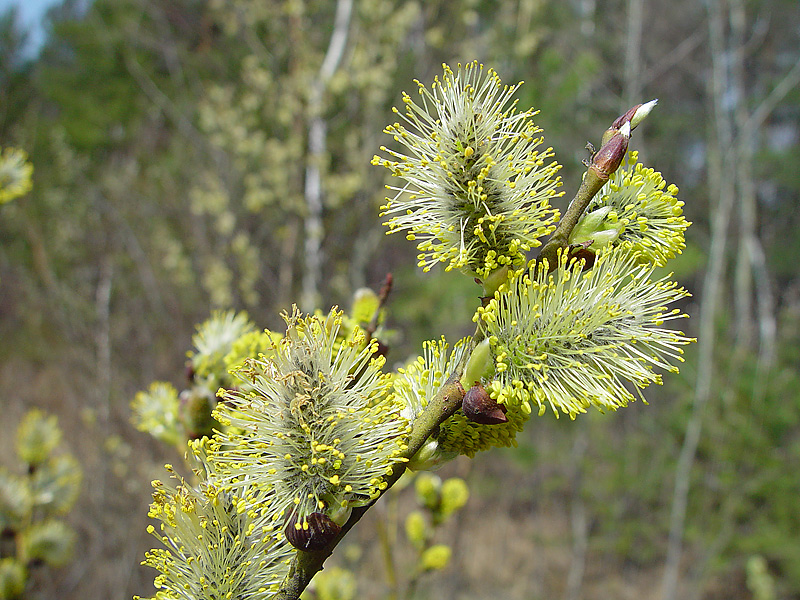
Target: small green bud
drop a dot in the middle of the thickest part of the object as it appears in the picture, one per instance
(494, 280)
(435, 558)
(416, 529)
(455, 494)
(427, 487)
(430, 457)
(339, 512)
(12, 578)
(588, 225)
(479, 366)
(593, 227)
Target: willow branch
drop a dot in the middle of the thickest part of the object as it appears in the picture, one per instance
(591, 184)
(442, 406)
(603, 165)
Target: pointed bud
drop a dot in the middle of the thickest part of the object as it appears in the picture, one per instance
(314, 533)
(625, 118)
(609, 157)
(634, 116)
(641, 113)
(479, 407)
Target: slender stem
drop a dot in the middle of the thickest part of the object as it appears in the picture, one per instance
(383, 296)
(591, 184)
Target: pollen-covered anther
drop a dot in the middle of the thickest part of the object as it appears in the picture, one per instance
(479, 407)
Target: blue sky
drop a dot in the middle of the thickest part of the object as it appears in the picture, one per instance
(30, 14)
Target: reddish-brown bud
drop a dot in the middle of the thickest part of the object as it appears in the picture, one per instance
(321, 531)
(626, 118)
(479, 407)
(609, 157)
(582, 252)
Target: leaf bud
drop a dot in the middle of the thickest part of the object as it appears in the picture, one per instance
(479, 365)
(634, 116)
(430, 457)
(494, 280)
(479, 407)
(609, 157)
(314, 533)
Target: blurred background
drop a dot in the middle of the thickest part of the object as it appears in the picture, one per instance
(199, 154)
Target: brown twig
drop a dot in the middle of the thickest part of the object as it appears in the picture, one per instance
(383, 296)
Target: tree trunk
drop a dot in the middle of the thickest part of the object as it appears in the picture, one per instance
(722, 165)
(317, 147)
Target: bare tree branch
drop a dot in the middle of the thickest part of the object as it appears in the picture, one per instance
(317, 146)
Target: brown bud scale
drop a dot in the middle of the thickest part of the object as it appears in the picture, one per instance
(479, 407)
(626, 118)
(322, 530)
(609, 157)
